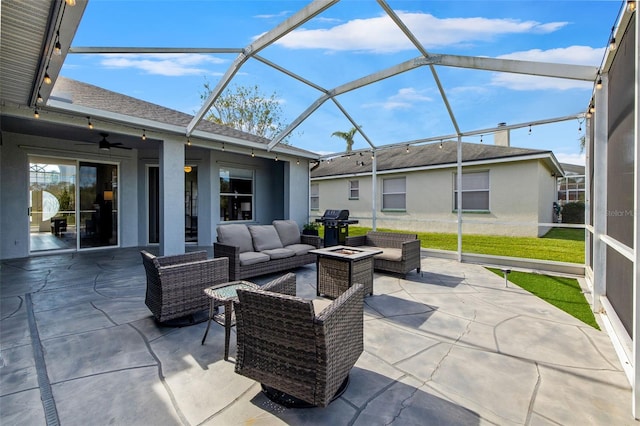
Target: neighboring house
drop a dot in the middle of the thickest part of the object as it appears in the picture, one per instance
(505, 190)
(571, 187)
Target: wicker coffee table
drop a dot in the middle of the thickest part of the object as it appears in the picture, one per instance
(224, 294)
(339, 267)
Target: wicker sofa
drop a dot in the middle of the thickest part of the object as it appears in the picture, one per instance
(400, 252)
(263, 249)
(175, 284)
(301, 351)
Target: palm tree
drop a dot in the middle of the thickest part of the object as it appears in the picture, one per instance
(347, 136)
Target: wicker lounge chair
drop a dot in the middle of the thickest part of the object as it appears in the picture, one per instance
(299, 356)
(175, 284)
(400, 252)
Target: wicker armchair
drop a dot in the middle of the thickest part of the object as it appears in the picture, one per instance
(175, 284)
(400, 252)
(299, 355)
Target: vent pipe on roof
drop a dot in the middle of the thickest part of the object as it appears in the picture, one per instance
(502, 137)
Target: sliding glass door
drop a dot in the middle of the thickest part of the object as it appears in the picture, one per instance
(98, 202)
(73, 205)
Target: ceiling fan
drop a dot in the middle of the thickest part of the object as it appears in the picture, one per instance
(105, 145)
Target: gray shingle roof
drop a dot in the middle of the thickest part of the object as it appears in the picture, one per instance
(419, 156)
(91, 96)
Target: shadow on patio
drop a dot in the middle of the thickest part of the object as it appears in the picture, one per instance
(448, 346)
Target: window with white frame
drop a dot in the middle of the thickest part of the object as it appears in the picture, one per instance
(354, 189)
(394, 194)
(314, 198)
(236, 194)
(475, 191)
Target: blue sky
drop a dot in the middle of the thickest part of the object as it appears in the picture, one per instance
(350, 40)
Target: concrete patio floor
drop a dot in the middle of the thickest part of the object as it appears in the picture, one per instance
(450, 346)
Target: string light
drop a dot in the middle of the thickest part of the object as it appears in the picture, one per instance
(612, 41)
(70, 2)
(223, 146)
(407, 148)
(440, 145)
(89, 123)
(276, 157)
(252, 153)
(298, 161)
(481, 138)
(40, 99)
(144, 135)
(592, 108)
(373, 155)
(36, 114)
(631, 5)
(188, 141)
(529, 129)
(57, 48)
(47, 78)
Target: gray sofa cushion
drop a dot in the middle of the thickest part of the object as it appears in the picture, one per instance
(288, 231)
(235, 234)
(279, 253)
(264, 237)
(252, 257)
(392, 254)
(300, 249)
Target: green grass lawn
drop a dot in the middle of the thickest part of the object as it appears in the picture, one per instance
(564, 293)
(559, 244)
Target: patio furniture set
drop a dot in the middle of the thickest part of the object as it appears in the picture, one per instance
(301, 351)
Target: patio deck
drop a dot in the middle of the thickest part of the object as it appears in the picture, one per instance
(450, 346)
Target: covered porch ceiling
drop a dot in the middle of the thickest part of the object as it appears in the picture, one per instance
(32, 28)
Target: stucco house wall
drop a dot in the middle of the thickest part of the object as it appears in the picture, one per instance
(521, 194)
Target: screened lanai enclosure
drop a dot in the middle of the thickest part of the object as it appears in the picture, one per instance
(167, 175)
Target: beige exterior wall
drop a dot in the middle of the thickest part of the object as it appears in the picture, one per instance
(521, 195)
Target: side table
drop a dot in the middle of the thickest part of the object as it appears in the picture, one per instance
(224, 294)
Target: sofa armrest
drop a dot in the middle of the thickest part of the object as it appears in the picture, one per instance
(409, 247)
(312, 240)
(355, 241)
(285, 284)
(233, 254)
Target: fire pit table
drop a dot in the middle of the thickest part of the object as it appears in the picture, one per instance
(339, 267)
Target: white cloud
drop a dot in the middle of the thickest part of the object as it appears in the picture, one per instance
(380, 34)
(172, 65)
(575, 55)
(577, 159)
(405, 98)
(273, 15)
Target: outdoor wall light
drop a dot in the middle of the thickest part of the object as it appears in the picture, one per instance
(187, 169)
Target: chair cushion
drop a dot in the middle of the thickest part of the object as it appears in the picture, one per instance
(392, 254)
(320, 304)
(265, 237)
(279, 253)
(300, 249)
(252, 257)
(237, 235)
(288, 231)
